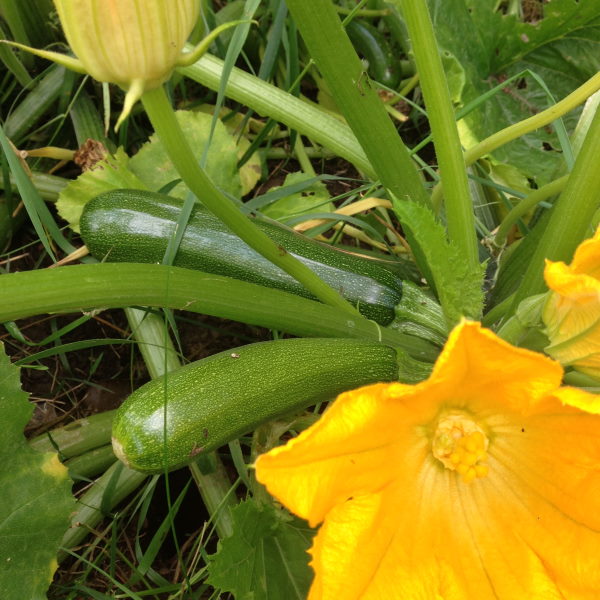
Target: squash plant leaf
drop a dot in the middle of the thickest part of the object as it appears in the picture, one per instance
(36, 498)
(459, 289)
(266, 556)
(152, 165)
(109, 174)
(312, 199)
(560, 44)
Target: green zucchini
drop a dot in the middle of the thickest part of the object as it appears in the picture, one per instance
(215, 400)
(383, 67)
(135, 226)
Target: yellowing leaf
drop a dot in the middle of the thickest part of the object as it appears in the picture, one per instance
(109, 174)
(36, 498)
(152, 165)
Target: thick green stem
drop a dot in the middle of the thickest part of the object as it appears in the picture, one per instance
(458, 204)
(155, 345)
(77, 437)
(571, 215)
(217, 492)
(91, 463)
(117, 285)
(165, 124)
(116, 483)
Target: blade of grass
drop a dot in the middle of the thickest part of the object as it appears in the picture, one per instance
(38, 212)
(11, 61)
(45, 92)
(71, 347)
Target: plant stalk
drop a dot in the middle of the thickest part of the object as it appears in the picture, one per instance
(460, 218)
(527, 204)
(117, 285)
(303, 116)
(541, 119)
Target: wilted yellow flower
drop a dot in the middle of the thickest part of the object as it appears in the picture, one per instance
(572, 312)
(480, 483)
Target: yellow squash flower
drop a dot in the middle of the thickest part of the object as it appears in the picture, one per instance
(572, 312)
(480, 483)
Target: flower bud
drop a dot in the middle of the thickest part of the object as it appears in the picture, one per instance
(572, 312)
(133, 43)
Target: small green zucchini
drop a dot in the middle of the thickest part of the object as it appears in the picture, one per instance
(170, 420)
(135, 226)
(383, 67)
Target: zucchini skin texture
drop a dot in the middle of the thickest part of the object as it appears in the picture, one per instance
(135, 226)
(216, 399)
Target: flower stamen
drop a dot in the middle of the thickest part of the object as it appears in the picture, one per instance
(461, 445)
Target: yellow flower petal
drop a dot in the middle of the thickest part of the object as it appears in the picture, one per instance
(400, 520)
(579, 399)
(482, 367)
(355, 444)
(572, 312)
(587, 256)
(566, 281)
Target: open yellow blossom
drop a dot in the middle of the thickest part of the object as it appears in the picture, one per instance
(572, 311)
(480, 483)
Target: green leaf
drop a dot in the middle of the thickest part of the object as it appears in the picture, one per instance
(251, 171)
(265, 558)
(36, 499)
(312, 199)
(152, 165)
(109, 174)
(563, 49)
(459, 288)
(235, 122)
(455, 75)
(515, 39)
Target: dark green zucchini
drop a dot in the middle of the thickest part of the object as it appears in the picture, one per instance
(135, 226)
(169, 421)
(383, 67)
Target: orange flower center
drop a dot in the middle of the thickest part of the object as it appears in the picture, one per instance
(461, 445)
